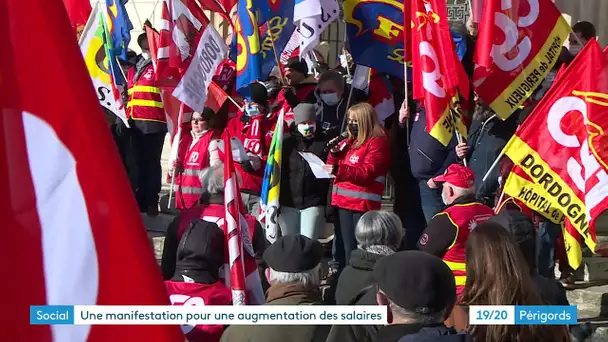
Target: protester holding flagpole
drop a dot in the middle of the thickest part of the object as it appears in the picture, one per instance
(360, 163)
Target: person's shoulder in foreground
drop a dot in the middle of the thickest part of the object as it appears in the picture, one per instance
(419, 298)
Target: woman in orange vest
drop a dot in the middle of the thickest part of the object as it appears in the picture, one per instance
(199, 150)
(360, 164)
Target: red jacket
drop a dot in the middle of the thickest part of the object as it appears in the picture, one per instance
(145, 102)
(189, 188)
(361, 175)
(195, 294)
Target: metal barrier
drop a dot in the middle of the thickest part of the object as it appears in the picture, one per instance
(389, 189)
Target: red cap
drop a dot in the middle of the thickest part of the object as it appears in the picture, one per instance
(457, 175)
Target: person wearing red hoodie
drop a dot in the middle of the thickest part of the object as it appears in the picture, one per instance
(360, 164)
(196, 281)
(254, 127)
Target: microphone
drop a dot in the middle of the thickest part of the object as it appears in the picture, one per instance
(334, 142)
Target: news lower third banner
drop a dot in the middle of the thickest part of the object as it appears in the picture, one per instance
(205, 314)
(522, 315)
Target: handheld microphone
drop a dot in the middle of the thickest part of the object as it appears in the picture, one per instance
(333, 143)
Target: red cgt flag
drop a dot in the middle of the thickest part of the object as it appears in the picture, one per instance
(438, 75)
(561, 146)
(73, 239)
(519, 43)
(216, 97)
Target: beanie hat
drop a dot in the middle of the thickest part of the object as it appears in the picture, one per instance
(304, 112)
(297, 65)
(258, 93)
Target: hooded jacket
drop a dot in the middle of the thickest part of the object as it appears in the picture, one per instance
(331, 119)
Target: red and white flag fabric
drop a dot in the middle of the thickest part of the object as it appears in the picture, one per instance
(73, 239)
(245, 282)
(438, 76)
(519, 43)
(189, 50)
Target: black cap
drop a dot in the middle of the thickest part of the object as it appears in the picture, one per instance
(298, 65)
(293, 254)
(258, 93)
(416, 281)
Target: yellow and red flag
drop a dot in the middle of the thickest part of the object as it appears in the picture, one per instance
(573, 244)
(519, 42)
(438, 75)
(561, 147)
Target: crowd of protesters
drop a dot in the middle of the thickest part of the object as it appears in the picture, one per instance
(440, 250)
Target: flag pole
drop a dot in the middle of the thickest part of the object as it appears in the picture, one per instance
(175, 147)
(406, 102)
(276, 55)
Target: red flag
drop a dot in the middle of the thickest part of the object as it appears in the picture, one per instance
(222, 7)
(216, 97)
(73, 239)
(436, 74)
(244, 277)
(79, 12)
(561, 145)
(477, 10)
(519, 43)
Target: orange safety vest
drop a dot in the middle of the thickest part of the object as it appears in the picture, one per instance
(145, 101)
(465, 217)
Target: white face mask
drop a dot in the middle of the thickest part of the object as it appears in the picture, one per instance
(330, 99)
(145, 54)
(307, 130)
(443, 199)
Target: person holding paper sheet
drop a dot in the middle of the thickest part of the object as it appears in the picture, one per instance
(303, 196)
(360, 164)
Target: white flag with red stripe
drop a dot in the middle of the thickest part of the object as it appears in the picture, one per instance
(245, 280)
(73, 238)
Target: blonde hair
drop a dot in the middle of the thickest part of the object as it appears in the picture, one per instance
(368, 123)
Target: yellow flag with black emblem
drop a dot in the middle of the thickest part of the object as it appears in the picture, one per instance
(97, 62)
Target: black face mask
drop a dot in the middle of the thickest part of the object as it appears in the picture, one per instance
(354, 128)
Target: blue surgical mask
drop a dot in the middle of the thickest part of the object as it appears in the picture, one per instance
(252, 110)
(331, 99)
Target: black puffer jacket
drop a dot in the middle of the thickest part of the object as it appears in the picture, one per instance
(300, 188)
(355, 277)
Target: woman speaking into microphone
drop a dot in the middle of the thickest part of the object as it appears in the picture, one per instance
(360, 164)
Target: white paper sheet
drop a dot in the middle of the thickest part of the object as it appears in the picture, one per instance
(316, 165)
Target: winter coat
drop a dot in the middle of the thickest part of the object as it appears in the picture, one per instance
(418, 333)
(300, 188)
(355, 277)
(282, 295)
(486, 139)
(428, 157)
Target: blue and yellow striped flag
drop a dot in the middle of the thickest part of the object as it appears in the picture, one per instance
(271, 186)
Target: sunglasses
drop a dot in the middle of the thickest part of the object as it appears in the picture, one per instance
(197, 120)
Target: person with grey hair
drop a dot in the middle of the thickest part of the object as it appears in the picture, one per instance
(210, 210)
(332, 102)
(295, 275)
(379, 233)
